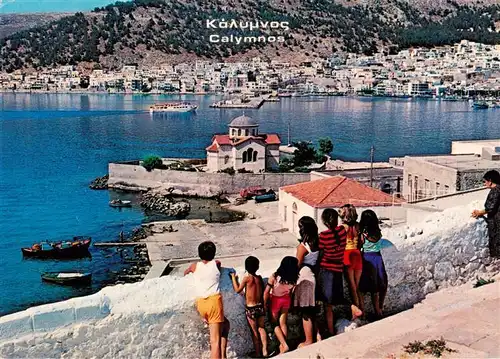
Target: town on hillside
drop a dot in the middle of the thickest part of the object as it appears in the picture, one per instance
(464, 70)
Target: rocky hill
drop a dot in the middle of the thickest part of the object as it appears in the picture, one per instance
(149, 32)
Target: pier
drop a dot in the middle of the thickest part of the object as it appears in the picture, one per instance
(252, 103)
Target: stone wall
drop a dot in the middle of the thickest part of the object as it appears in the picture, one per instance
(470, 179)
(201, 183)
(445, 249)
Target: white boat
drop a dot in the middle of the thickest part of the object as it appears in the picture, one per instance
(172, 107)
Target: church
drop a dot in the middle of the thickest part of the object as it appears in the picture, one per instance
(243, 147)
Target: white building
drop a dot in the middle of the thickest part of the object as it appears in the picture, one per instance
(243, 148)
(312, 198)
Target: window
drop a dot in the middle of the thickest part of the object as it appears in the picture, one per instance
(244, 156)
(246, 132)
(410, 188)
(294, 208)
(446, 189)
(438, 188)
(285, 209)
(233, 132)
(415, 188)
(255, 156)
(226, 159)
(250, 155)
(239, 131)
(427, 187)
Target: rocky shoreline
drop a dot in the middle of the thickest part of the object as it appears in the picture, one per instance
(161, 201)
(99, 183)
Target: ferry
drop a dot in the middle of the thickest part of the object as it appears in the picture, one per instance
(173, 107)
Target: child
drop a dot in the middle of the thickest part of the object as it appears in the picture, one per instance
(374, 278)
(254, 305)
(279, 288)
(330, 283)
(353, 260)
(304, 298)
(209, 303)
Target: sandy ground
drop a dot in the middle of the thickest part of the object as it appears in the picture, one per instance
(260, 231)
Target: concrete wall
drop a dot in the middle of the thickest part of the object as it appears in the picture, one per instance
(416, 212)
(467, 147)
(441, 179)
(201, 183)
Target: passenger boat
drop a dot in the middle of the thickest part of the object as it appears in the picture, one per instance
(173, 107)
(67, 278)
(120, 203)
(76, 248)
(269, 196)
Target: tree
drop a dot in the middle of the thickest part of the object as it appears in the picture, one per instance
(151, 162)
(325, 146)
(304, 155)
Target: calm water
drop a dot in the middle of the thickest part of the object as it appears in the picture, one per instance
(53, 145)
(23, 6)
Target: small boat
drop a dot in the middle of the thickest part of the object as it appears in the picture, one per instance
(76, 248)
(173, 107)
(120, 203)
(67, 278)
(250, 192)
(269, 196)
(480, 105)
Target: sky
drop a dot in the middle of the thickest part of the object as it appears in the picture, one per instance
(27, 6)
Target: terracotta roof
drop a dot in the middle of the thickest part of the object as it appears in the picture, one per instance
(269, 139)
(337, 191)
(213, 147)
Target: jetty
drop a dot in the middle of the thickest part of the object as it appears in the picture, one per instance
(241, 102)
(118, 244)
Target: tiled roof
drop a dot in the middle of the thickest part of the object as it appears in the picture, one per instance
(269, 139)
(337, 191)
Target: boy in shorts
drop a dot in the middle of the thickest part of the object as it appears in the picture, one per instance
(254, 305)
(209, 304)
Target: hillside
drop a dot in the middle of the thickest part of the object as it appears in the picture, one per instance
(12, 23)
(150, 32)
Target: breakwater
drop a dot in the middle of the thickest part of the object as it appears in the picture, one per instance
(134, 177)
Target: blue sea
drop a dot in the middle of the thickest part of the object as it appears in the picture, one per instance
(52, 145)
(30, 6)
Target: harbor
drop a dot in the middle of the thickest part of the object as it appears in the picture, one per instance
(242, 102)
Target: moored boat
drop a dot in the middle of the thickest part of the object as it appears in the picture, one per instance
(120, 203)
(173, 107)
(269, 196)
(67, 278)
(480, 105)
(76, 248)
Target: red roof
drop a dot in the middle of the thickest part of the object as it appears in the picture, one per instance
(337, 191)
(269, 139)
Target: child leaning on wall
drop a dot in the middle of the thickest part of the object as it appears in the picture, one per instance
(255, 312)
(209, 304)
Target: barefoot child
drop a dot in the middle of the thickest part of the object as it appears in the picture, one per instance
(279, 292)
(206, 273)
(254, 304)
(374, 278)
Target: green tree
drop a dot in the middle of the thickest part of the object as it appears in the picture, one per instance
(151, 162)
(304, 155)
(325, 146)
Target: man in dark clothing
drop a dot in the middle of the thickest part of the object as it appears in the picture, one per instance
(492, 211)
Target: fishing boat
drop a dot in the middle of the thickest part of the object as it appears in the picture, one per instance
(78, 247)
(120, 203)
(269, 196)
(67, 278)
(480, 105)
(172, 107)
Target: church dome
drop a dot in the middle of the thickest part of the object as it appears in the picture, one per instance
(243, 121)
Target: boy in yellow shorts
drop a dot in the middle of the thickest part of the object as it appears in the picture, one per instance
(209, 304)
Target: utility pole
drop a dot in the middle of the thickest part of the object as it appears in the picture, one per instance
(372, 151)
(288, 133)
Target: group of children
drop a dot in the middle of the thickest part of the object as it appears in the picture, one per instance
(314, 275)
